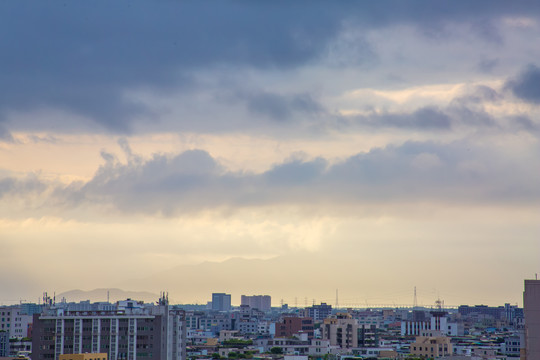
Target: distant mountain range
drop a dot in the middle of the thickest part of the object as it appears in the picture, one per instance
(289, 275)
(114, 294)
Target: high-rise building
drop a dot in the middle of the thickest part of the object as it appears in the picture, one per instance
(319, 312)
(221, 301)
(132, 330)
(261, 302)
(531, 309)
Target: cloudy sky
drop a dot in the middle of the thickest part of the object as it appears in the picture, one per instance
(386, 145)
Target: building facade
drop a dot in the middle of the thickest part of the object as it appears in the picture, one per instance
(132, 331)
(531, 309)
(221, 302)
(319, 312)
(340, 332)
(4, 343)
(431, 347)
(15, 320)
(289, 326)
(90, 356)
(261, 302)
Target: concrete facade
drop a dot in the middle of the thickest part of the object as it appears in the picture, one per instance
(431, 347)
(4, 343)
(221, 302)
(14, 320)
(135, 331)
(289, 326)
(531, 308)
(261, 302)
(340, 332)
(98, 356)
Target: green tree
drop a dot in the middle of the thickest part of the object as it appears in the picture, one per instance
(276, 350)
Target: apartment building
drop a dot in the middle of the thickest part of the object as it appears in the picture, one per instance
(318, 312)
(132, 330)
(221, 302)
(15, 320)
(261, 302)
(289, 326)
(342, 332)
(431, 347)
(531, 309)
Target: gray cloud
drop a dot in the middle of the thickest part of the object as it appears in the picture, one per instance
(488, 65)
(5, 135)
(527, 85)
(525, 123)
(427, 119)
(414, 171)
(83, 56)
(282, 107)
(30, 185)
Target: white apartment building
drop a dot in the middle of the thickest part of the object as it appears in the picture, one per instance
(13, 320)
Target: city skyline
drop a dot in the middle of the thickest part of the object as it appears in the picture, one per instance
(288, 149)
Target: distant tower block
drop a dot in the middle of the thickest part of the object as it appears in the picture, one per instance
(531, 310)
(261, 302)
(415, 303)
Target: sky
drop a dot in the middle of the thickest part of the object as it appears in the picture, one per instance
(370, 147)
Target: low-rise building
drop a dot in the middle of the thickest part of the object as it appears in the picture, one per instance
(431, 347)
(342, 332)
(289, 326)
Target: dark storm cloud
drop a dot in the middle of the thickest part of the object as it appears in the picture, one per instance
(82, 56)
(414, 171)
(527, 85)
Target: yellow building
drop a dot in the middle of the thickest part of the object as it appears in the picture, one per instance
(431, 346)
(86, 356)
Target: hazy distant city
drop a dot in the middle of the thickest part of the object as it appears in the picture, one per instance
(255, 329)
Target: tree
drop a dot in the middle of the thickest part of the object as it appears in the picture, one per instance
(276, 350)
